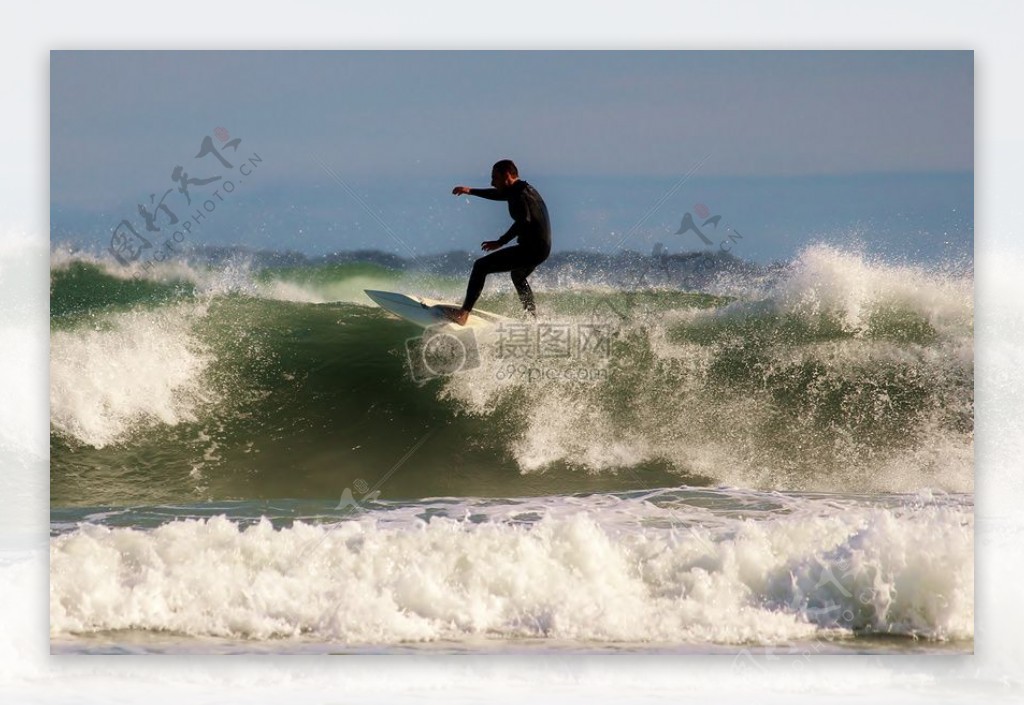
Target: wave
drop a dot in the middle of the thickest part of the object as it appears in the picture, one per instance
(710, 567)
(836, 373)
(81, 283)
(141, 368)
(843, 375)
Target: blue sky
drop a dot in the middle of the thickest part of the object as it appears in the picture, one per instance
(400, 126)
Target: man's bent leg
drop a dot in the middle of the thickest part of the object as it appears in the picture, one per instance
(523, 288)
(500, 261)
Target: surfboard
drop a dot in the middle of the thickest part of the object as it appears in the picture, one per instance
(427, 313)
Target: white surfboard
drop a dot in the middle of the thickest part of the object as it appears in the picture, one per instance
(427, 312)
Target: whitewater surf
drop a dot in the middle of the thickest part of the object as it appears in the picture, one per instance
(785, 456)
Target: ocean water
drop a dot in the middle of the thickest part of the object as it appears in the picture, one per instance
(249, 459)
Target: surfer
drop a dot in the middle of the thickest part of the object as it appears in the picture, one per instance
(531, 230)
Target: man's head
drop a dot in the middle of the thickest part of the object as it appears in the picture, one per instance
(504, 174)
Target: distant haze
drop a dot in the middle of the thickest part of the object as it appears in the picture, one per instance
(792, 147)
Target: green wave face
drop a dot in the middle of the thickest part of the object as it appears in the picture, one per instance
(197, 385)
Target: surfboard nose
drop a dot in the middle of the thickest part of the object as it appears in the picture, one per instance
(375, 295)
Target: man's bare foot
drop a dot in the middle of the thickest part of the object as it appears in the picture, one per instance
(456, 315)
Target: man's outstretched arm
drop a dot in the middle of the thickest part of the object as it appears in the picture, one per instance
(491, 194)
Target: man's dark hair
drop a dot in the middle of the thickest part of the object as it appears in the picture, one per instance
(506, 166)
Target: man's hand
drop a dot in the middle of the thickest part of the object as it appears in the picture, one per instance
(460, 191)
(490, 245)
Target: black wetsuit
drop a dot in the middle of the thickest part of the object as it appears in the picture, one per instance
(532, 231)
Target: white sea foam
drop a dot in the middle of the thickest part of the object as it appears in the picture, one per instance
(663, 401)
(613, 571)
(132, 370)
(828, 281)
